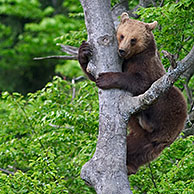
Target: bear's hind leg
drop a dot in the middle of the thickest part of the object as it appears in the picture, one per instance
(140, 151)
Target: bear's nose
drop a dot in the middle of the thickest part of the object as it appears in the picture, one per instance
(122, 52)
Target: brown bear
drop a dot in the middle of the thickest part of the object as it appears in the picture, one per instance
(159, 125)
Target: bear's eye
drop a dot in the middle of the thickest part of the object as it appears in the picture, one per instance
(133, 41)
(121, 37)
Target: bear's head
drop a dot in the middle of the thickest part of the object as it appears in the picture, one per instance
(134, 36)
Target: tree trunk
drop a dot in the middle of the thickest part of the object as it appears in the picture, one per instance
(106, 171)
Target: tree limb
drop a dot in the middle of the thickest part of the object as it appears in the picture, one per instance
(71, 50)
(188, 73)
(171, 58)
(6, 171)
(142, 3)
(118, 9)
(188, 93)
(123, 6)
(189, 131)
(162, 3)
(57, 57)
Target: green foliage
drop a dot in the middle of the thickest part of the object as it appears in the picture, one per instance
(171, 173)
(70, 70)
(175, 28)
(131, 3)
(114, 2)
(24, 9)
(31, 29)
(175, 31)
(47, 137)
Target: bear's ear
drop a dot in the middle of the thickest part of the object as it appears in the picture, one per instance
(124, 17)
(151, 26)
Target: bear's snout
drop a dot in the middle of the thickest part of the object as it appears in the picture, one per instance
(122, 52)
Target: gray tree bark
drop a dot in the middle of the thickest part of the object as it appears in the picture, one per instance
(106, 171)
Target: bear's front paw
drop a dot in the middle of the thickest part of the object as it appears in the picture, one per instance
(84, 53)
(104, 81)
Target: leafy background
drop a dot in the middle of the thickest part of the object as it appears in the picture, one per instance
(49, 124)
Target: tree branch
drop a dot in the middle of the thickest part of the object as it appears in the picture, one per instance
(57, 57)
(71, 50)
(162, 3)
(189, 131)
(188, 93)
(188, 73)
(6, 171)
(118, 9)
(171, 58)
(142, 3)
(123, 6)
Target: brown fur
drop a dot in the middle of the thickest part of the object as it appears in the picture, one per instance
(159, 125)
